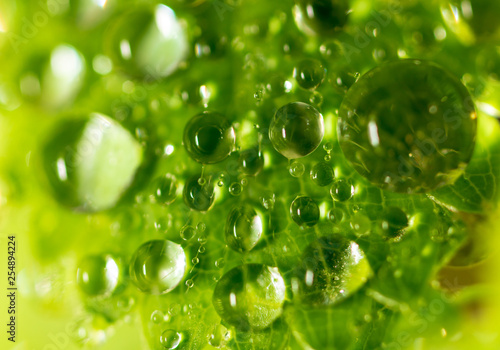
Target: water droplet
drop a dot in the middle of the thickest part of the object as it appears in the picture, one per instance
(235, 188)
(268, 201)
(195, 260)
(304, 211)
(244, 228)
(336, 215)
(394, 221)
(404, 147)
(321, 17)
(170, 339)
(261, 284)
(187, 232)
(84, 149)
(251, 161)
(328, 257)
(202, 239)
(342, 190)
(98, 275)
(158, 266)
(201, 227)
(309, 74)
(296, 130)
(198, 197)
(165, 189)
(220, 263)
(322, 174)
(157, 316)
(189, 283)
(201, 250)
(296, 169)
(361, 224)
(147, 41)
(219, 336)
(209, 137)
(316, 99)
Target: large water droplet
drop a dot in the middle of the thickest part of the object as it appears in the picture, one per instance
(251, 161)
(170, 339)
(244, 228)
(408, 126)
(250, 296)
(91, 161)
(304, 211)
(198, 197)
(98, 275)
(332, 268)
(309, 74)
(323, 17)
(296, 130)
(158, 266)
(209, 137)
(165, 189)
(147, 41)
(322, 174)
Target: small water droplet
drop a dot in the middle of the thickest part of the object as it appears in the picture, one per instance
(170, 339)
(187, 232)
(220, 263)
(296, 169)
(235, 188)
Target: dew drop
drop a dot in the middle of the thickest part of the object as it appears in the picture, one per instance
(296, 169)
(187, 232)
(304, 211)
(209, 137)
(342, 190)
(322, 174)
(170, 339)
(296, 130)
(262, 284)
(244, 228)
(158, 266)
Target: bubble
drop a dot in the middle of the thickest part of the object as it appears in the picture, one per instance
(195, 260)
(201, 249)
(394, 221)
(209, 138)
(235, 188)
(251, 161)
(389, 135)
(336, 215)
(262, 285)
(321, 17)
(198, 197)
(165, 189)
(322, 174)
(86, 155)
(147, 41)
(360, 224)
(342, 190)
(296, 130)
(304, 211)
(219, 336)
(157, 316)
(202, 239)
(332, 268)
(296, 169)
(309, 74)
(244, 228)
(170, 339)
(158, 266)
(98, 275)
